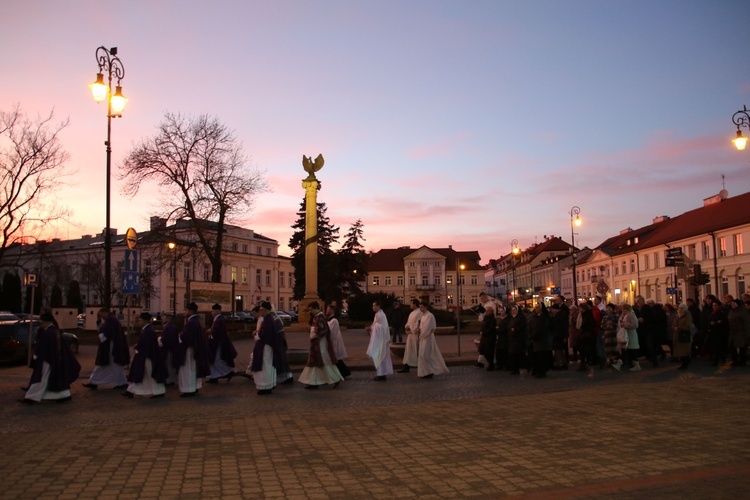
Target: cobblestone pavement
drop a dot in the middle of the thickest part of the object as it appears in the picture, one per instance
(658, 433)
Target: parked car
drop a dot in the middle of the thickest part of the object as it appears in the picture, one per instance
(284, 317)
(8, 316)
(293, 315)
(81, 320)
(14, 336)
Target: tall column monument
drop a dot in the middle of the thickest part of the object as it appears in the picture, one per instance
(311, 186)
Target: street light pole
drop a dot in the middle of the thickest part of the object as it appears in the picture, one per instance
(110, 63)
(574, 211)
(459, 267)
(173, 247)
(514, 250)
(742, 119)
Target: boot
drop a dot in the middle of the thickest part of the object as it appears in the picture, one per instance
(636, 366)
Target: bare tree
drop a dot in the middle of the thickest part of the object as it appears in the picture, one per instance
(32, 163)
(204, 171)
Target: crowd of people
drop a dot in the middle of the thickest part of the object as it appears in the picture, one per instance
(594, 335)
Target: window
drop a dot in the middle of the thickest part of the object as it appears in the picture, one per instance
(705, 252)
(724, 285)
(234, 273)
(474, 300)
(268, 278)
(438, 300)
(281, 279)
(244, 248)
(425, 263)
(234, 246)
(437, 265)
(632, 265)
(740, 285)
(257, 276)
(646, 263)
(268, 252)
(624, 267)
(412, 264)
(656, 260)
(291, 280)
(449, 300)
(281, 303)
(147, 267)
(474, 279)
(244, 275)
(738, 244)
(691, 251)
(186, 271)
(259, 251)
(387, 281)
(617, 271)
(172, 304)
(172, 270)
(412, 280)
(722, 247)
(425, 280)
(437, 280)
(400, 280)
(376, 280)
(449, 280)
(206, 272)
(463, 279)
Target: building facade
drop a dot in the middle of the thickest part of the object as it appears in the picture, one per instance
(443, 277)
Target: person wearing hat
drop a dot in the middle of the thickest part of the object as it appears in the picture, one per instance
(267, 355)
(148, 372)
(55, 367)
(193, 360)
(112, 354)
(220, 348)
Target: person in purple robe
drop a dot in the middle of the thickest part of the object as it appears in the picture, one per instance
(193, 355)
(220, 348)
(55, 367)
(169, 343)
(148, 370)
(267, 352)
(112, 354)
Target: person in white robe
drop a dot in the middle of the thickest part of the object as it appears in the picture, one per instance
(430, 360)
(337, 340)
(411, 350)
(320, 368)
(379, 348)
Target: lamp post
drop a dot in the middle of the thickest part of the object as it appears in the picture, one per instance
(173, 247)
(742, 119)
(459, 268)
(574, 222)
(109, 62)
(514, 250)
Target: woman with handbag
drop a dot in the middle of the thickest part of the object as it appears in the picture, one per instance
(682, 335)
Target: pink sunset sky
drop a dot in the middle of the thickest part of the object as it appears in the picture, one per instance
(441, 122)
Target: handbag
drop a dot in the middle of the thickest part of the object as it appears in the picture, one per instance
(622, 336)
(683, 336)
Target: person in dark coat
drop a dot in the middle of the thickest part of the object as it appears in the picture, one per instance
(541, 339)
(220, 348)
(587, 337)
(516, 340)
(739, 333)
(169, 342)
(646, 329)
(718, 334)
(148, 372)
(268, 359)
(488, 337)
(501, 347)
(193, 354)
(559, 331)
(55, 367)
(112, 354)
(397, 321)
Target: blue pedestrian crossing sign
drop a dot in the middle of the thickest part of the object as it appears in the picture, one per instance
(131, 278)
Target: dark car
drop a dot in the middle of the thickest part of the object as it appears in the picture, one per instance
(293, 315)
(14, 336)
(284, 317)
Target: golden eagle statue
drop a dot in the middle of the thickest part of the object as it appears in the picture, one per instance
(312, 167)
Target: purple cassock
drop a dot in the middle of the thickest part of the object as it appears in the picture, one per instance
(220, 339)
(269, 335)
(171, 344)
(114, 337)
(148, 348)
(192, 336)
(64, 367)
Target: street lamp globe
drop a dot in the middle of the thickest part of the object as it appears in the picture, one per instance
(99, 89)
(118, 101)
(740, 141)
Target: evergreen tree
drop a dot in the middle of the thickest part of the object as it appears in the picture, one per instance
(73, 297)
(352, 259)
(328, 234)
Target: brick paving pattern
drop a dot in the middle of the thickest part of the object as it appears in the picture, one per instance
(658, 433)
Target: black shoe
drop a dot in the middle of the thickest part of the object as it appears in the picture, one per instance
(127, 394)
(479, 365)
(264, 392)
(428, 376)
(157, 396)
(123, 386)
(490, 368)
(290, 380)
(404, 370)
(189, 394)
(64, 400)
(170, 384)
(229, 376)
(336, 384)
(379, 378)
(311, 387)
(90, 386)
(212, 381)
(27, 401)
(24, 389)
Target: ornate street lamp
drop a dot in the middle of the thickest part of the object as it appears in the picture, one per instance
(742, 119)
(459, 267)
(109, 62)
(574, 222)
(173, 246)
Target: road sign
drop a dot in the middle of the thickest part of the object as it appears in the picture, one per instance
(131, 261)
(555, 290)
(131, 239)
(131, 283)
(674, 252)
(671, 291)
(31, 279)
(675, 261)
